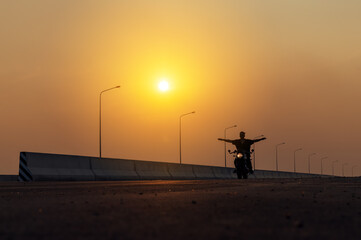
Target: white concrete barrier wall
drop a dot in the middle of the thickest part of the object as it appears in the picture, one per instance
(114, 169)
(224, 173)
(8, 178)
(258, 174)
(152, 170)
(56, 167)
(203, 172)
(181, 171)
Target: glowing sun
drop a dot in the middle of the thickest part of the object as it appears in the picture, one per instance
(163, 85)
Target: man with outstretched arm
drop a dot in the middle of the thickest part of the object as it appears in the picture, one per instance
(243, 145)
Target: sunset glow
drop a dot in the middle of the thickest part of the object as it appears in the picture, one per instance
(163, 85)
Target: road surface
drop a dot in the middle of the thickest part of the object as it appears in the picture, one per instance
(205, 209)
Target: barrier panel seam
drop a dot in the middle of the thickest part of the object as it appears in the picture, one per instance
(171, 176)
(135, 170)
(92, 170)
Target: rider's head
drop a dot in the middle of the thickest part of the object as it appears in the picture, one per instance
(242, 135)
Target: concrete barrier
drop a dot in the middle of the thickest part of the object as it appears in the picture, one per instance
(258, 174)
(152, 170)
(55, 167)
(203, 172)
(181, 171)
(114, 169)
(8, 178)
(224, 173)
(267, 174)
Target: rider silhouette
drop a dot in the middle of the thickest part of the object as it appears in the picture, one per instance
(243, 145)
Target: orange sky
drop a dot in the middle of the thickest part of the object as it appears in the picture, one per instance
(290, 70)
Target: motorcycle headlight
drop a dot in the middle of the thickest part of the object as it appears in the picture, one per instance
(239, 155)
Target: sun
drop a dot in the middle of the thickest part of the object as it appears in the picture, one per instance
(163, 85)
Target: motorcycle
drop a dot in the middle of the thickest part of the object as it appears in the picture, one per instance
(240, 163)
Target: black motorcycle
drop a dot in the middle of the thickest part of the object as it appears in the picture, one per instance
(240, 163)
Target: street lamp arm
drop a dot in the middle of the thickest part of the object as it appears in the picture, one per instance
(187, 114)
(230, 127)
(109, 89)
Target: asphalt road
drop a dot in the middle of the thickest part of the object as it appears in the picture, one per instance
(209, 209)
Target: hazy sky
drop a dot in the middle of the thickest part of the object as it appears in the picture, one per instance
(290, 70)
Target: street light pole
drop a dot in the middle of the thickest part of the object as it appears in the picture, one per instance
(180, 135)
(100, 119)
(309, 158)
(343, 165)
(321, 164)
(294, 159)
(332, 167)
(225, 146)
(277, 154)
(254, 152)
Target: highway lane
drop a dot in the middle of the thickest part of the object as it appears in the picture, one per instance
(205, 209)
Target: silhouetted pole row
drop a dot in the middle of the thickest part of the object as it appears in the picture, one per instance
(100, 119)
(309, 160)
(333, 173)
(277, 154)
(321, 164)
(294, 159)
(225, 144)
(343, 169)
(180, 135)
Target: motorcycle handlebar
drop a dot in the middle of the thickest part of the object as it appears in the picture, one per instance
(235, 151)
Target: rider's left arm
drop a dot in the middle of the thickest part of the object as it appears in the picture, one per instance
(257, 140)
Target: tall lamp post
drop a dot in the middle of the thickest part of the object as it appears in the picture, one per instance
(100, 119)
(277, 154)
(333, 173)
(322, 165)
(225, 144)
(294, 159)
(352, 169)
(180, 135)
(254, 152)
(309, 160)
(343, 168)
